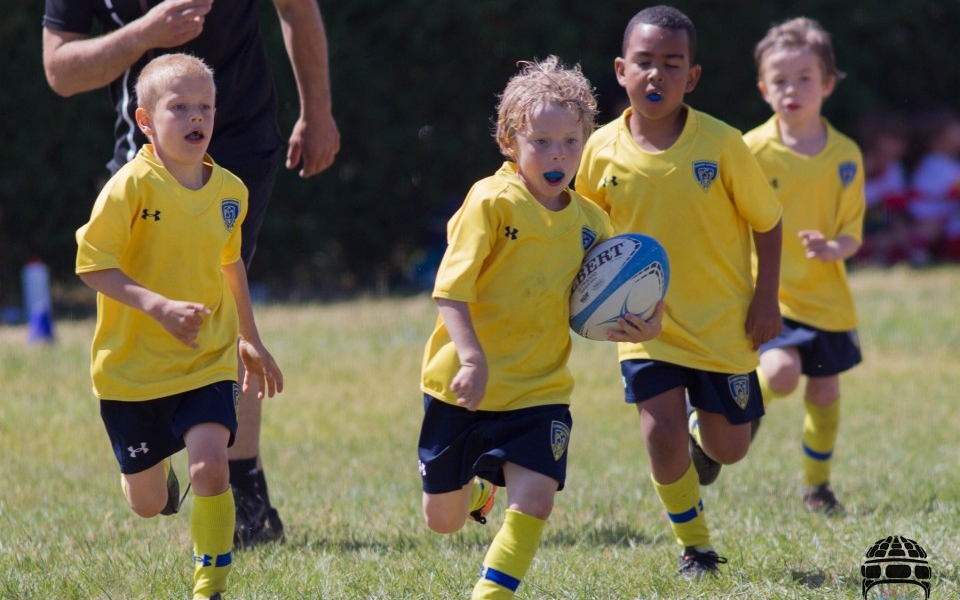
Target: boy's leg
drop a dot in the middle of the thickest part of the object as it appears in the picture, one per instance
(664, 426)
(721, 440)
(447, 512)
(146, 491)
(779, 373)
(530, 499)
(213, 513)
(820, 429)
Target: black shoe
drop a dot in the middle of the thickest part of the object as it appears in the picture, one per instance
(822, 499)
(257, 521)
(695, 565)
(174, 499)
(707, 469)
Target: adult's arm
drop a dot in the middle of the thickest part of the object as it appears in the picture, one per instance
(315, 139)
(75, 62)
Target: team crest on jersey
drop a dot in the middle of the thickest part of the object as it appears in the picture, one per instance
(847, 171)
(559, 438)
(739, 389)
(705, 172)
(230, 210)
(587, 238)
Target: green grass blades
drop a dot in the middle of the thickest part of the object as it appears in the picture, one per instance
(340, 450)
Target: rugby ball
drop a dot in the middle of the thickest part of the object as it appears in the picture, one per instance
(628, 273)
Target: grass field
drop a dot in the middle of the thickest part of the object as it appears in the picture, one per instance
(341, 456)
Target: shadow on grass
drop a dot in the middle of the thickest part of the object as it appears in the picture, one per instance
(589, 535)
(810, 579)
(598, 535)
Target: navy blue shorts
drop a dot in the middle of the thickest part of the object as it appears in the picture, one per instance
(822, 353)
(456, 444)
(146, 432)
(736, 396)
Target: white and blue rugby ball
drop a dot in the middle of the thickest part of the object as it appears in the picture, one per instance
(628, 273)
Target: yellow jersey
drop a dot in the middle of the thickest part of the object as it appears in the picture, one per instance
(171, 240)
(513, 262)
(702, 198)
(824, 192)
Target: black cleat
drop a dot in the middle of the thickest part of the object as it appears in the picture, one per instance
(695, 565)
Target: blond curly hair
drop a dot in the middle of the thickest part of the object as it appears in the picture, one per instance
(538, 83)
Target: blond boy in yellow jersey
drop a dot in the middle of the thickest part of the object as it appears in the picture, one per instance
(817, 173)
(495, 379)
(162, 249)
(689, 181)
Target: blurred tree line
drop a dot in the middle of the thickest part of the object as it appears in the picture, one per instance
(414, 85)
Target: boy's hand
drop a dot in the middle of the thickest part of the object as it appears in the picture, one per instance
(635, 330)
(259, 364)
(470, 383)
(819, 247)
(183, 320)
(764, 321)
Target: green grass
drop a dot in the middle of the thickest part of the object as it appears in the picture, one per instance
(340, 447)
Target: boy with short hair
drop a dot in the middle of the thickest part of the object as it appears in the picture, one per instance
(495, 379)
(817, 173)
(162, 249)
(688, 180)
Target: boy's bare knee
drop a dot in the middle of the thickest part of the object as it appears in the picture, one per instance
(147, 508)
(209, 478)
(444, 523)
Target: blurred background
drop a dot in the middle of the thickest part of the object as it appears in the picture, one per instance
(414, 88)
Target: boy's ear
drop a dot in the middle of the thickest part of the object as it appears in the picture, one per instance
(693, 76)
(143, 121)
(828, 86)
(762, 88)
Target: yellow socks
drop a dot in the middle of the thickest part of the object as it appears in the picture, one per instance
(684, 507)
(820, 429)
(211, 527)
(509, 556)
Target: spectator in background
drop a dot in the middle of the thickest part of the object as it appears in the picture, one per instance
(246, 139)
(935, 185)
(883, 139)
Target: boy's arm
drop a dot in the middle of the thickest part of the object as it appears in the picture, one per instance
(818, 246)
(181, 319)
(470, 382)
(764, 321)
(257, 361)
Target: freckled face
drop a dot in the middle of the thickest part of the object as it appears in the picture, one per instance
(656, 71)
(548, 150)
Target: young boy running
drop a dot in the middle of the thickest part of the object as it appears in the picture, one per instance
(495, 378)
(689, 181)
(162, 249)
(817, 173)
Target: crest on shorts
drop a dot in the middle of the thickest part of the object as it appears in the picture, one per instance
(705, 172)
(739, 389)
(587, 238)
(230, 210)
(559, 438)
(236, 398)
(847, 171)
